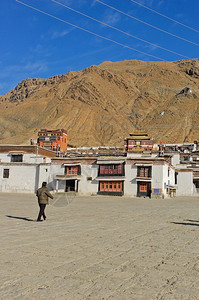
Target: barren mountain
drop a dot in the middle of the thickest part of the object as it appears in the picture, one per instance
(102, 104)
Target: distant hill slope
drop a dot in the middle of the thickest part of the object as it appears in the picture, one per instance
(101, 105)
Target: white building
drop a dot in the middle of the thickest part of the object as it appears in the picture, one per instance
(24, 168)
(113, 175)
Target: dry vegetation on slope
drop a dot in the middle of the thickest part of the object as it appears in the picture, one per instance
(100, 105)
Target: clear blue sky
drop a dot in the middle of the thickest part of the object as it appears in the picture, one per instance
(36, 45)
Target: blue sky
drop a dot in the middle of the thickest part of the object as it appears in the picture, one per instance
(36, 45)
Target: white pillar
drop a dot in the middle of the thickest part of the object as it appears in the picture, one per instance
(75, 185)
(57, 182)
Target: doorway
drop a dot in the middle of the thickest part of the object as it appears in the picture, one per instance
(70, 186)
(144, 189)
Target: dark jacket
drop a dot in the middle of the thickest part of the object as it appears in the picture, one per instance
(43, 194)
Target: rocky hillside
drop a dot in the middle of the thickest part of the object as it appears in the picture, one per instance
(101, 105)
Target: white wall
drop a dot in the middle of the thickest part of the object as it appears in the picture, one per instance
(165, 182)
(88, 186)
(22, 178)
(142, 155)
(27, 158)
(161, 178)
(133, 155)
(175, 160)
(5, 157)
(56, 169)
(38, 159)
(157, 177)
(172, 176)
(43, 173)
(185, 184)
(130, 184)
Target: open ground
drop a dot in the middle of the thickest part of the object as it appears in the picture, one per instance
(100, 248)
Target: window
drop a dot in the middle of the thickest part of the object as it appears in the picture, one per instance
(144, 172)
(6, 173)
(143, 187)
(196, 182)
(73, 170)
(186, 158)
(110, 186)
(111, 169)
(16, 158)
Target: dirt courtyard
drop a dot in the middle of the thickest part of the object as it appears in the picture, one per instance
(100, 248)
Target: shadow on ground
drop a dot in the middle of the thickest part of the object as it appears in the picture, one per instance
(186, 223)
(192, 220)
(20, 218)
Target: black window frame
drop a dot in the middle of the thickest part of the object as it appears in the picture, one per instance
(17, 158)
(6, 173)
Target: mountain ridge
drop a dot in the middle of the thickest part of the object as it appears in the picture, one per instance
(101, 105)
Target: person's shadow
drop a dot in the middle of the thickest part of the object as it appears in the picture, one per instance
(190, 222)
(20, 218)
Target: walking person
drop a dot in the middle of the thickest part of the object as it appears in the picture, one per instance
(42, 195)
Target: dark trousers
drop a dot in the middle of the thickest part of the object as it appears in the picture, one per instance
(41, 212)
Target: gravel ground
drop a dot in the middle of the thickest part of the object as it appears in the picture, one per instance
(99, 248)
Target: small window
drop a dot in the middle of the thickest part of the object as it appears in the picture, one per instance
(6, 173)
(16, 158)
(186, 158)
(73, 170)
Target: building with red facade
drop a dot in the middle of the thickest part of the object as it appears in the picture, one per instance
(55, 140)
(138, 141)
